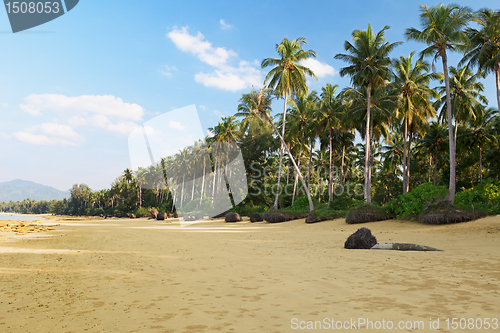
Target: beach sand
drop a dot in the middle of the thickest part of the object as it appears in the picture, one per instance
(122, 275)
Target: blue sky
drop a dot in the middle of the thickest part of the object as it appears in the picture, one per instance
(73, 89)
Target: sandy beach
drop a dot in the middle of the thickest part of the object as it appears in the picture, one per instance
(122, 275)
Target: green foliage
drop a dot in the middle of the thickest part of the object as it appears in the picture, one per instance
(141, 212)
(301, 204)
(414, 202)
(483, 197)
(97, 212)
(344, 202)
(365, 212)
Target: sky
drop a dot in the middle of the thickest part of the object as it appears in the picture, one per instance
(74, 89)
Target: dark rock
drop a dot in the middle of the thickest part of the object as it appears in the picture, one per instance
(233, 217)
(119, 215)
(132, 216)
(198, 217)
(361, 239)
(256, 218)
(189, 217)
(312, 218)
(161, 216)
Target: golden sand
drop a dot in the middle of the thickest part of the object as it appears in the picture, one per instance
(121, 275)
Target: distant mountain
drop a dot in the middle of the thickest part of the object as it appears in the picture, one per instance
(18, 190)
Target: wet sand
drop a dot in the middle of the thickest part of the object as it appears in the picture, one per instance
(121, 275)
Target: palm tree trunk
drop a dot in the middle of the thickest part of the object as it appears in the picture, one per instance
(497, 74)
(309, 166)
(297, 170)
(192, 192)
(368, 183)
(296, 176)
(283, 145)
(430, 166)
(182, 189)
(342, 167)
(202, 182)
(330, 180)
(408, 156)
(405, 181)
(480, 163)
(287, 173)
(451, 191)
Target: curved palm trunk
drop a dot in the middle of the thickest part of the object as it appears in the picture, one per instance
(410, 139)
(430, 167)
(435, 168)
(451, 191)
(405, 179)
(283, 145)
(296, 176)
(368, 181)
(342, 176)
(311, 206)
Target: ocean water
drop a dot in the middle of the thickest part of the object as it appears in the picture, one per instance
(20, 218)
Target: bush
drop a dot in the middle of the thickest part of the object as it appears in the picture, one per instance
(484, 196)
(323, 214)
(366, 213)
(141, 212)
(414, 202)
(97, 212)
(302, 204)
(344, 202)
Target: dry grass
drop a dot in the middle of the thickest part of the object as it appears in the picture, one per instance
(444, 212)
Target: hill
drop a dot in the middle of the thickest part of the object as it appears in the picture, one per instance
(18, 190)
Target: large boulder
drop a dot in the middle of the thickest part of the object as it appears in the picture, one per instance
(361, 239)
(256, 218)
(153, 213)
(161, 216)
(233, 217)
(132, 216)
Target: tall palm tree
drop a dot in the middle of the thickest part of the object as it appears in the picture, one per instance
(443, 29)
(263, 98)
(411, 83)
(480, 132)
(288, 77)
(484, 47)
(369, 67)
(328, 117)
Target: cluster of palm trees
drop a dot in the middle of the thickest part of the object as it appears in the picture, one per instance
(388, 96)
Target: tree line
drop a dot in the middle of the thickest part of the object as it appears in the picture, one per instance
(413, 133)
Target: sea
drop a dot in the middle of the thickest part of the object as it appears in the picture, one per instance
(8, 217)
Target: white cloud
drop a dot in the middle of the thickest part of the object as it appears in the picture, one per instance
(52, 134)
(224, 76)
(202, 107)
(105, 105)
(167, 70)
(224, 25)
(217, 113)
(177, 125)
(106, 112)
(321, 69)
(5, 105)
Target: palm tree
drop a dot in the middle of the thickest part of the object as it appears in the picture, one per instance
(369, 67)
(443, 30)
(328, 117)
(435, 142)
(127, 174)
(262, 102)
(480, 132)
(288, 77)
(465, 95)
(411, 83)
(484, 47)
